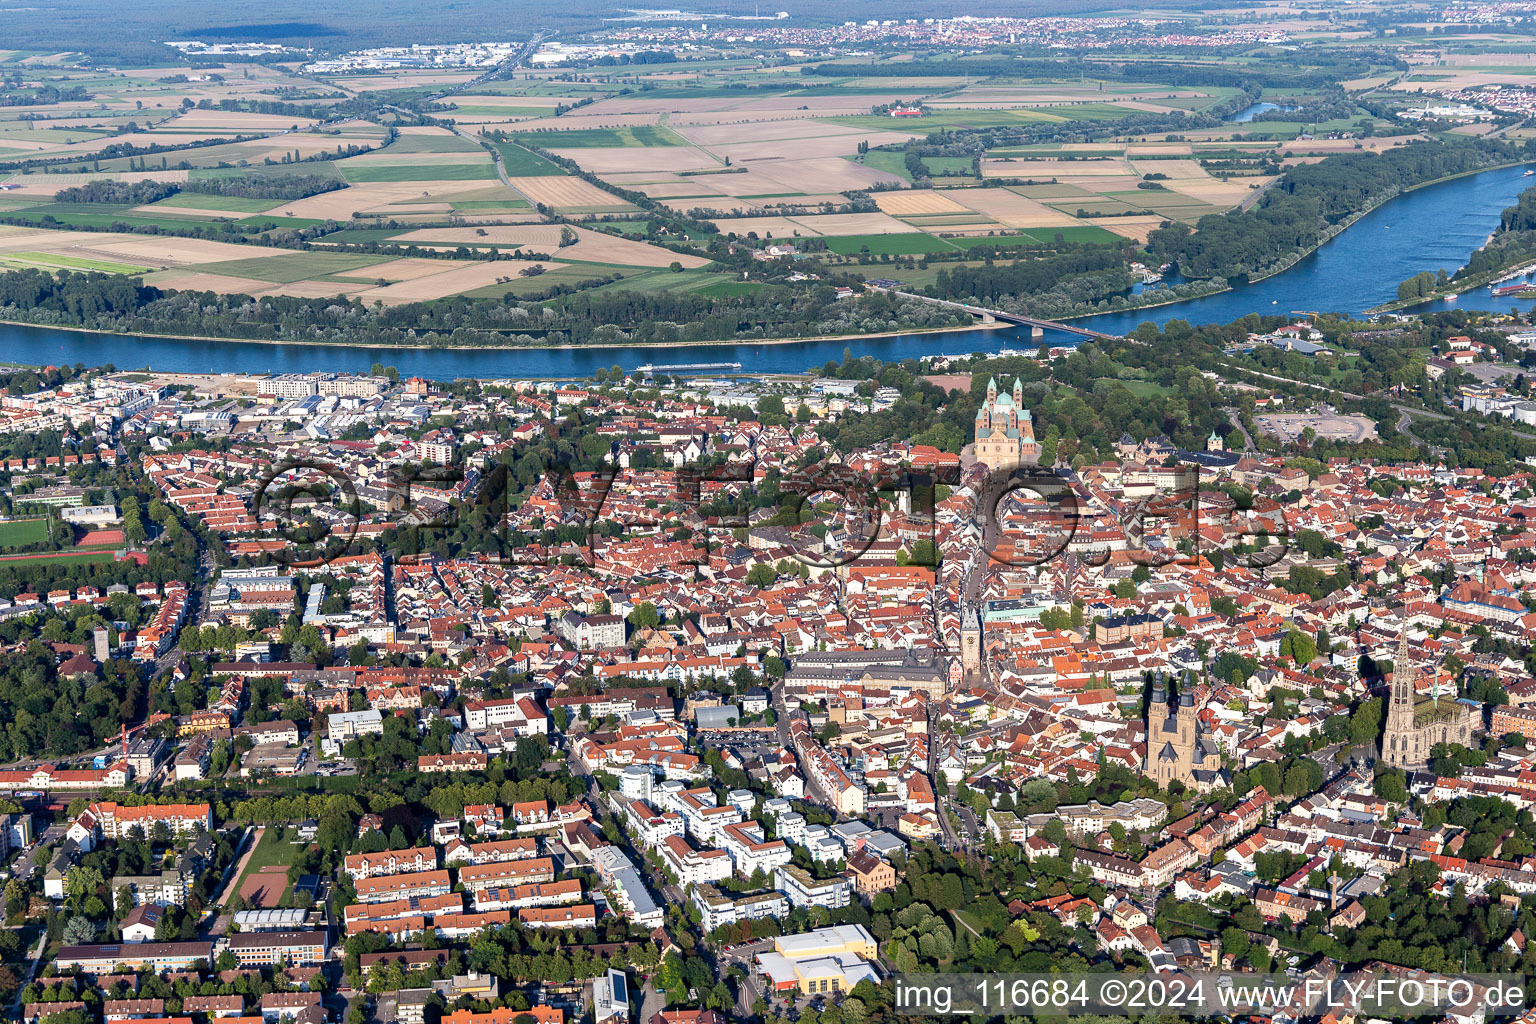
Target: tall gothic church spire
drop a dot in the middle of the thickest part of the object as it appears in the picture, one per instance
(1403, 687)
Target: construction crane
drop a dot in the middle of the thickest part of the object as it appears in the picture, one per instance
(1314, 314)
(126, 732)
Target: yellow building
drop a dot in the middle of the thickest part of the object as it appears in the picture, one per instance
(845, 938)
(827, 960)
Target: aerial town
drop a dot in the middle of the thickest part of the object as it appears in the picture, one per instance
(780, 516)
(719, 689)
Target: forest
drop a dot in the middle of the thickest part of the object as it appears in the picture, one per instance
(1513, 243)
(136, 193)
(265, 186)
(1295, 71)
(994, 281)
(123, 305)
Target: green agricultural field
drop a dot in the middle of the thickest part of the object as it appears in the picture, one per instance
(363, 236)
(492, 205)
(569, 275)
(498, 111)
(358, 173)
(100, 215)
(922, 277)
(604, 138)
(1009, 237)
(913, 244)
(1100, 207)
(1084, 233)
(1048, 191)
(520, 163)
(729, 289)
(432, 144)
(271, 222)
(211, 157)
(948, 165)
(58, 135)
(1042, 152)
(567, 89)
(291, 267)
(889, 161)
(51, 261)
(653, 281)
(19, 533)
(199, 201)
(944, 119)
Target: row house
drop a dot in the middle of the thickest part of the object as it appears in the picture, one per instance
(844, 795)
(449, 903)
(494, 852)
(109, 820)
(506, 873)
(390, 862)
(533, 894)
(468, 761)
(1110, 869)
(49, 777)
(581, 916)
(398, 887)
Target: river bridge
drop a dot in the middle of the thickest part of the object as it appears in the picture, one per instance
(1037, 327)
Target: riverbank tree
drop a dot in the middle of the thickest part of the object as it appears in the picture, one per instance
(126, 305)
(1310, 198)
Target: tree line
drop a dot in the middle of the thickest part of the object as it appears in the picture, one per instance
(125, 305)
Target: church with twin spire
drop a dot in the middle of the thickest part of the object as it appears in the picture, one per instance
(1179, 748)
(1005, 434)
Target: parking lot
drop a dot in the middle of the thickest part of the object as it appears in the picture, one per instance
(1289, 426)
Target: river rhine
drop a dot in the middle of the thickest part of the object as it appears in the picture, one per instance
(1434, 227)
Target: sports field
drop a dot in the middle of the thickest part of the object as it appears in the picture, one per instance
(18, 533)
(264, 879)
